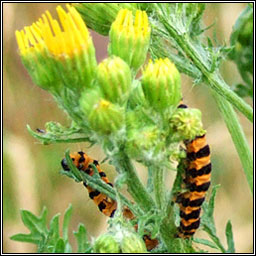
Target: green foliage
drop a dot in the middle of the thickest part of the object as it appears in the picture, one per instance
(48, 240)
(208, 225)
(241, 40)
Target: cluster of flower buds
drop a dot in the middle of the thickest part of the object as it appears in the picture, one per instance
(60, 57)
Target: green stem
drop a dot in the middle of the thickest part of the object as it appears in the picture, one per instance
(150, 185)
(135, 187)
(107, 190)
(212, 76)
(168, 231)
(238, 137)
(168, 228)
(159, 188)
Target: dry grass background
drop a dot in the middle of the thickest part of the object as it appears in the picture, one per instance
(30, 170)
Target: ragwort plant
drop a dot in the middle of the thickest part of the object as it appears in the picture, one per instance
(133, 115)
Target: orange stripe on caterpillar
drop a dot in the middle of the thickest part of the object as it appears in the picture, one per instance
(197, 180)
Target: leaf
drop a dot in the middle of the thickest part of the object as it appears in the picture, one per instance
(72, 167)
(50, 241)
(37, 225)
(53, 235)
(81, 237)
(211, 203)
(205, 242)
(230, 239)
(66, 220)
(54, 226)
(70, 175)
(48, 138)
(207, 220)
(244, 17)
(28, 238)
(68, 248)
(60, 246)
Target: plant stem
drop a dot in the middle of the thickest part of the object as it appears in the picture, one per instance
(106, 190)
(168, 231)
(238, 137)
(212, 76)
(158, 182)
(135, 187)
(168, 228)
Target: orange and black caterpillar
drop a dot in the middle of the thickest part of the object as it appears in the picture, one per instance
(105, 204)
(197, 180)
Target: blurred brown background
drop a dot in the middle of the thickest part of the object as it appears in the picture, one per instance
(30, 170)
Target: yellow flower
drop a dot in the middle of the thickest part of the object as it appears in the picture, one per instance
(69, 38)
(130, 37)
(139, 28)
(62, 50)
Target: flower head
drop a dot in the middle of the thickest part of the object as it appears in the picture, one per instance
(103, 116)
(106, 243)
(114, 79)
(161, 84)
(61, 45)
(130, 36)
(64, 38)
(187, 122)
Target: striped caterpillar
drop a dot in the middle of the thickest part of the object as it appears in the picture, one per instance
(197, 180)
(105, 204)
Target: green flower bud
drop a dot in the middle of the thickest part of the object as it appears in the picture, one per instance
(132, 243)
(129, 38)
(114, 79)
(145, 145)
(99, 16)
(57, 53)
(103, 116)
(187, 123)
(106, 244)
(161, 84)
